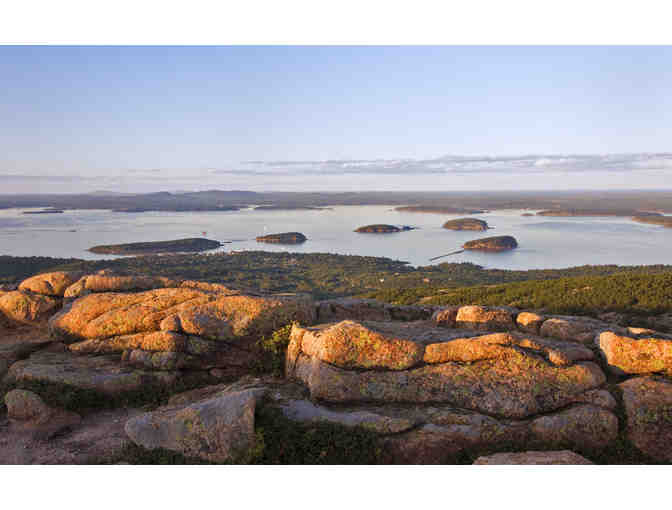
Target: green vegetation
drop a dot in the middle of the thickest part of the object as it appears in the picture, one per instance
(288, 442)
(15, 269)
(323, 275)
(274, 349)
(627, 292)
(137, 455)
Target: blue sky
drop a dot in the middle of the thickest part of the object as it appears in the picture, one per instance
(125, 111)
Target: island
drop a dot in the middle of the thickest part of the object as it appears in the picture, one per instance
(382, 229)
(131, 209)
(45, 211)
(663, 221)
(437, 209)
(497, 243)
(527, 214)
(195, 244)
(284, 238)
(466, 224)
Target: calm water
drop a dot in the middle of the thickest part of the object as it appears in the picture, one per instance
(544, 242)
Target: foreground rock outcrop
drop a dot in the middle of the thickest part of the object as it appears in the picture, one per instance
(103, 374)
(217, 429)
(383, 362)
(51, 284)
(27, 307)
(426, 384)
(637, 354)
(187, 326)
(648, 407)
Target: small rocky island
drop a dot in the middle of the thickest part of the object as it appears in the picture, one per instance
(45, 211)
(382, 229)
(497, 243)
(284, 238)
(149, 248)
(466, 224)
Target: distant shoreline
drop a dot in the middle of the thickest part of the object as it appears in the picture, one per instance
(574, 203)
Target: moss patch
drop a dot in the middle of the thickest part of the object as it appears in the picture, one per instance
(273, 349)
(289, 442)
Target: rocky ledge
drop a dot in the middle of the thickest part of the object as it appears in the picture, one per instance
(466, 224)
(284, 238)
(416, 384)
(496, 243)
(178, 246)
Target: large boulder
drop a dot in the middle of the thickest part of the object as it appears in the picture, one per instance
(108, 281)
(26, 307)
(246, 316)
(350, 344)
(516, 386)
(648, 408)
(446, 316)
(499, 345)
(629, 355)
(180, 310)
(112, 314)
(51, 284)
(533, 458)
(583, 426)
(27, 411)
(400, 346)
(529, 322)
(576, 329)
(484, 318)
(219, 429)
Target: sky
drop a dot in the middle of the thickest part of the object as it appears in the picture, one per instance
(334, 118)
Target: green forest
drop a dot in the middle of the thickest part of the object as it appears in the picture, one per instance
(634, 292)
